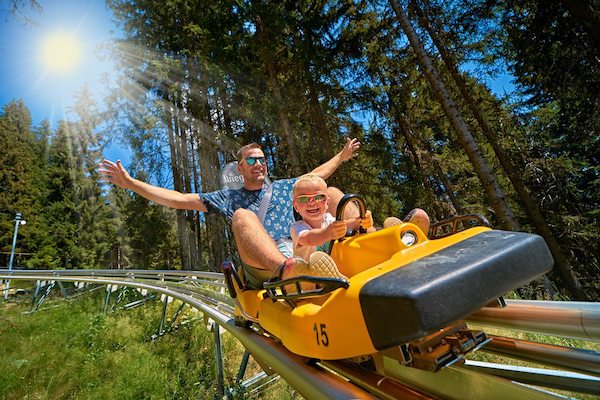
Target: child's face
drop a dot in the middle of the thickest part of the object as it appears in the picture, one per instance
(311, 200)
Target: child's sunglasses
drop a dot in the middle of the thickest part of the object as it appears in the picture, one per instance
(253, 160)
(305, 198)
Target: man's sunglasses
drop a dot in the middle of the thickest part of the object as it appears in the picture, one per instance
(305, 198)
(253, 160)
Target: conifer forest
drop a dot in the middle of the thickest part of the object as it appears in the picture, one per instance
(412, 80)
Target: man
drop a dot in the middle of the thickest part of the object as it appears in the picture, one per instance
(265, 248)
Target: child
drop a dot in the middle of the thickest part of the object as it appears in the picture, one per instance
(317, 227)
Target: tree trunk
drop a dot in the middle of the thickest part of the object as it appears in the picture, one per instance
(432, 160)
(407, 134)
(320, 125)
(533, 210)
(493, 191)
(275, 87)
(172, 130)
(208, 157)
(196, 189)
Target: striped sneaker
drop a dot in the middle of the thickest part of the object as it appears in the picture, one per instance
(391, 221)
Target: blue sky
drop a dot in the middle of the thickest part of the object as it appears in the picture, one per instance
(26, 74)
(48, 94)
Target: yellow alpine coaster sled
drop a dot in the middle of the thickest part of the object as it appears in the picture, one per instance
(405, 296)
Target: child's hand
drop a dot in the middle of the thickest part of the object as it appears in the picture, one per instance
(367, 221)
(336, 230)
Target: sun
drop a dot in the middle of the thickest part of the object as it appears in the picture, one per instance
(61, 52)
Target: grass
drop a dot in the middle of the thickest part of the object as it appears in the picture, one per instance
(72, 351)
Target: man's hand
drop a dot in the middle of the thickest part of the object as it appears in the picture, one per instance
(336, 230)
(114, 173)
(350, 150)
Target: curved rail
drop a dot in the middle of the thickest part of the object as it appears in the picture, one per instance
(205, 291)
(309, 381)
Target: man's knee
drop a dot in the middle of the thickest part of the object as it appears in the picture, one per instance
(418, 214)
(334, 192)
(335, 195)
(420, 218)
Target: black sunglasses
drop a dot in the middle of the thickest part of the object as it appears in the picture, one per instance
(253, 160)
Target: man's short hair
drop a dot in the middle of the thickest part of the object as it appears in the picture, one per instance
(240, 152)
(308, 178)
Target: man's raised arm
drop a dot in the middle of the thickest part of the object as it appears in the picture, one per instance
(349, 151)
(116, 173)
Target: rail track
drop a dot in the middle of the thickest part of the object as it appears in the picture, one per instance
(564, 368)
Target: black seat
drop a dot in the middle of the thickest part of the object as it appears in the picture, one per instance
(447, 286)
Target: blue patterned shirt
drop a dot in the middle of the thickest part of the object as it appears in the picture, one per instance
(280, 213)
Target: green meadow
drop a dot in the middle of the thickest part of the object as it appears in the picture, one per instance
(71, 350)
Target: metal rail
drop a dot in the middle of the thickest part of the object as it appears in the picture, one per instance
(310, 381)
(562, 380)
(567, 319)
(205, 292)
(570, 358)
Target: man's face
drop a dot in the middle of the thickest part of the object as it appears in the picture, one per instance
(253, 168)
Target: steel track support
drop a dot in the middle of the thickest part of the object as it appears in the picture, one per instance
(162, 329)
(460, 383)
(47, 291)
(562, 380)
(36, 292)
(243, 366)
(163, 316)
(107, 298)
(120, 296)
(139, 302)
(63, 290)
(254, 384)
(219, 360)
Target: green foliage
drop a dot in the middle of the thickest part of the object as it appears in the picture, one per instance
(72, 351)
(51, 178)
(201, 78)
(150, 234)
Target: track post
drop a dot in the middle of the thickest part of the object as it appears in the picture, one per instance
(219, 360)
(243, 366)
(49, 288)
(38, 285)
(107, 299)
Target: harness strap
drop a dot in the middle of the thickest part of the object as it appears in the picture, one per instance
(264, 203)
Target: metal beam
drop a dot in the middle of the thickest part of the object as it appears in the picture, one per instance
(310, 381)
(582, 360)
(562, 380)
(460, 383)
(316, 380)
(579, 320)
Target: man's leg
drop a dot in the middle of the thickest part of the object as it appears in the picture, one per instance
(335, 195)
(254, 244)
(257, 249)
(416, 216)
(419, 218)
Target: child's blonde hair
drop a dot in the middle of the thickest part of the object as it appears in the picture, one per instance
(308, 178)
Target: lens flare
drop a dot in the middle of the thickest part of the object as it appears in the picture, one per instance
(61, 52)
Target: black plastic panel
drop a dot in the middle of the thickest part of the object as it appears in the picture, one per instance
(441, 288)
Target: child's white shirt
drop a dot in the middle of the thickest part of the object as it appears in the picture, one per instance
(300, 228)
